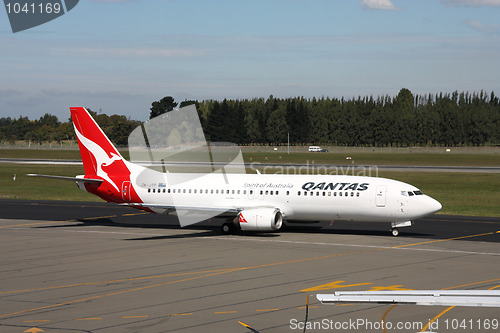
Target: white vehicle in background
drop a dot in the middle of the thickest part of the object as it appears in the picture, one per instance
(314, 148)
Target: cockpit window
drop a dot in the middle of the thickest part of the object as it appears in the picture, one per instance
(411, 193)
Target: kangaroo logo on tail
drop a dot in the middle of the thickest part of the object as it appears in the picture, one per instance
(101, 157)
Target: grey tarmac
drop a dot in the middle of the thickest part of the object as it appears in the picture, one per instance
(97, 267)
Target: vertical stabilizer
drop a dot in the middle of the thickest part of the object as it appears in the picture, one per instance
(100, 157)
(94, 144)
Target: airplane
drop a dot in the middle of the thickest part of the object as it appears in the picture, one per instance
(251, 202)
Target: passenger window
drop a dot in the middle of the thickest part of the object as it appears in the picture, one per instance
(352, 194)
(168, 191)
(357, 194)
(298, 193)
(251, 192)
(340, 194)
(277, 193)
(329, 194)
(287, 192)
(149, 190)
(163, 190)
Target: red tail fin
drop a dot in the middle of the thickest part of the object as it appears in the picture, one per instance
(100, 158)
(90, 138)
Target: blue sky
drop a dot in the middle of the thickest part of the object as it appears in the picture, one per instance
(119, 56)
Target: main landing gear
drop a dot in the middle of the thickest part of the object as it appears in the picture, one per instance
(229, 228)
(396, 225)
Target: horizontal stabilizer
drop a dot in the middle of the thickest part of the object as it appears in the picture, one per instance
(483, 298)
(75, 179)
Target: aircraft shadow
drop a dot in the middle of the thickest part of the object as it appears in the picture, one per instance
(422, 230)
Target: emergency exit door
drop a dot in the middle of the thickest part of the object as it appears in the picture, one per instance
(126, 191)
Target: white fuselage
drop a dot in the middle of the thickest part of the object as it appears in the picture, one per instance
(298, 197)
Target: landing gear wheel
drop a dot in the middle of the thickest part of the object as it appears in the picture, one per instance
(395, 232)
(228, 228)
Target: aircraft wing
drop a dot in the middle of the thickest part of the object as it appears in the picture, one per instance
(76, 179)
(482, 298)
(221, 210)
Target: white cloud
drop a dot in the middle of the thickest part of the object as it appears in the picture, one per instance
(471, 3)
(379, 5)
(479, 26)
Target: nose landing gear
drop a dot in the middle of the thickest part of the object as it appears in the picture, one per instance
(396, 225)
(395, 232)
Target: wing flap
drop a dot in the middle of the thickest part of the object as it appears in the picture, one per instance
(187, 208)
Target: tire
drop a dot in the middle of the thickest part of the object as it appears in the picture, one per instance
(227, 228)
(395, 232)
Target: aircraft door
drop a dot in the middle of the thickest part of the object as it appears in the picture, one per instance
(380, 195)
(126, 190)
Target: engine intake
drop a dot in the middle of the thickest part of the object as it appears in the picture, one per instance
(260, 219)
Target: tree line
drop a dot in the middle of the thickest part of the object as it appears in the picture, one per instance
(49, 129)
(404, 120)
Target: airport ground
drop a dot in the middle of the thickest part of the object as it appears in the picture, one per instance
(96, 267)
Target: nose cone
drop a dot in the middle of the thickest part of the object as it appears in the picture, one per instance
(423, 206)
(433, 205)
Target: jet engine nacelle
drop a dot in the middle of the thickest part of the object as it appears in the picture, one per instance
(260, 219)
